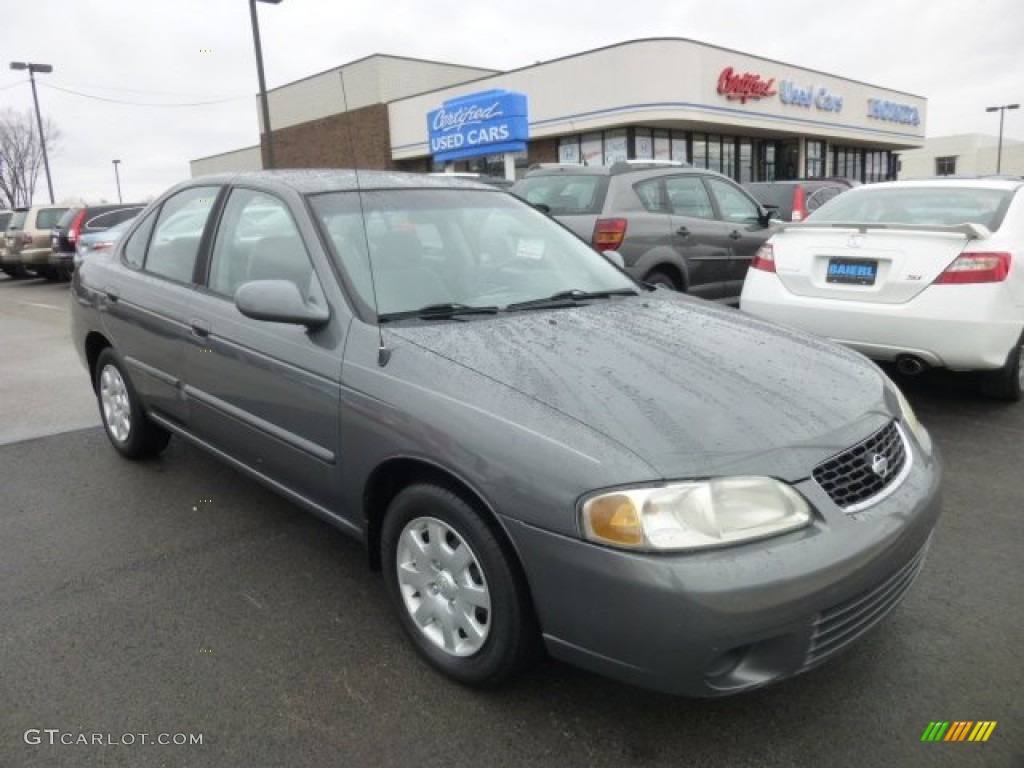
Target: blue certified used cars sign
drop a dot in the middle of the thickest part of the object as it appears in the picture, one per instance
(484, 123)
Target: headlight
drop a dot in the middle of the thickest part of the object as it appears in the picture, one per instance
(693, 515)
(910, 419)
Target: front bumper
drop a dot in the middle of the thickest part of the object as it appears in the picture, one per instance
(730, 620)
(962, 327)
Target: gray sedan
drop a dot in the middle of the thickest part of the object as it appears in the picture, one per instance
(538, 452)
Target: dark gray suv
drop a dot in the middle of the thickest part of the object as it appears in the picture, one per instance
(688, 229)
(535, 450)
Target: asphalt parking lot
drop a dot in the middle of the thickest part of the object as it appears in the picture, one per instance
(175, 597)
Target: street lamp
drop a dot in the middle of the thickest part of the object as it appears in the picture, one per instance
(263, 82)
(32, 69)
(117, 177)
(999, 152)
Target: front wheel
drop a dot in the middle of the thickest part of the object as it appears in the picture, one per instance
(459, 596)
(129, 429)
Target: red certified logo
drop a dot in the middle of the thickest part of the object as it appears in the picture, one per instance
(746, 86)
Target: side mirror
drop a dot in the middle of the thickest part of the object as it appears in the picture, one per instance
(769, 213)
(615, 258)
(278, 301)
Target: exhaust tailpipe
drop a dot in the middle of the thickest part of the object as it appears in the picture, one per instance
(909, 365)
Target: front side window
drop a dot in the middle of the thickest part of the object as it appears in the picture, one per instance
(258, 240)
(409, 249)
(732, 203)
(179, 228)
(687, 196)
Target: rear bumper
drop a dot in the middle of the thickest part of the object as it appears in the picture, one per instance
(962, 327)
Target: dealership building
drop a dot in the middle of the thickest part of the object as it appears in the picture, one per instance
(663, 99)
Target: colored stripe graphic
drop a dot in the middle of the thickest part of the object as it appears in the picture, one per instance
(982, 730)
(958, 730)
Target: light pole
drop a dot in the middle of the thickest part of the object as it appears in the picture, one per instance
(32, 69)
(117, 177)
(263, 83)
(999, 152)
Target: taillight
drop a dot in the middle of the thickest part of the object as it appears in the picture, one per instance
(799, 205)
(764, 259)
(976, 268)
(76, 226)
(608, 234)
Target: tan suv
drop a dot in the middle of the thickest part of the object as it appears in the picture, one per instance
(28, 241)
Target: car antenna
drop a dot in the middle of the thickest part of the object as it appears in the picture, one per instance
(383, 352)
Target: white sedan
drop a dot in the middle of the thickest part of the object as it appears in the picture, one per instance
(921, 273)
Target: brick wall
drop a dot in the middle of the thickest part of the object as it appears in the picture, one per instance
(542, 151)
(329, 141)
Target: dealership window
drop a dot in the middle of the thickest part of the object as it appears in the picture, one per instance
(679, 152)
(700, 150)
(729, 156)
(746, 161)
(616, 146)
(643, 144)
(815, 159)
(715, 152)
(569, 149)
(847, 162)
(662, 145)
(945, 166)
(591, 149)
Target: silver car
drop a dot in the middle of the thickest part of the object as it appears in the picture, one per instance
(537, 451)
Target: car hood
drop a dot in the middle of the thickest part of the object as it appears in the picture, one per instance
(693, 389)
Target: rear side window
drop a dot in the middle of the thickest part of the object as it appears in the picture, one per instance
(107, 219)
(5, 219)
(47, 218)
(818, 197)
(564, 194)
(18, 220)
(66, 219)
(135, 248)
(179, 228)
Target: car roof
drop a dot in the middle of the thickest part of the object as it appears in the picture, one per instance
(615, 169)
(978, 182)
(317, 180)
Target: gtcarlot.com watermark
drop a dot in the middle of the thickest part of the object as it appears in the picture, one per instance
(55, 736)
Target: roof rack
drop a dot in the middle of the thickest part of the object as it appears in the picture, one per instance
(625, 166)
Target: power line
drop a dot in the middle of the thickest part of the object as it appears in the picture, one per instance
(141, 103)
(148, 92)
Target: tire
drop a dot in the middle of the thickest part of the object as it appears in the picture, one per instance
(48, 272)
(16, 271)
(128, 428)
(1008, 382)
(660, 278)
(459, 596)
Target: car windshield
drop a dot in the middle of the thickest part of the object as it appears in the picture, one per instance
(932, 205)
(464, 248)
(563, 194)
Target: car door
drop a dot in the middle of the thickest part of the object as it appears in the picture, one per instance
(697, 235)
(746, 230)
(266, 393)
(145, 303)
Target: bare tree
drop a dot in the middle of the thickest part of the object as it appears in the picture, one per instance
(21, 154)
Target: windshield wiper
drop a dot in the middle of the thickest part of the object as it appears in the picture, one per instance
(569, 298)
(444, 311)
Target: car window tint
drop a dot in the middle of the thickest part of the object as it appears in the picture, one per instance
(5, 220)
(820, 196)
(179, 228)
(563, 194)
(650, 196)
(932, 205)
(258, 240)
(135, 247)
(47, 218)
(687, 196)
(732, 203)
(108, 219)
(67, 217)
(18, 220)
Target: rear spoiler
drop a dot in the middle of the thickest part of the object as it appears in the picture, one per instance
(969, 230)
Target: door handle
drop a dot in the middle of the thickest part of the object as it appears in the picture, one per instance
(683, 231)
(735, 235)
(112, 294)
(199, 327)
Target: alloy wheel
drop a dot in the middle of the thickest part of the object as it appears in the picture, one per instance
(117, 410)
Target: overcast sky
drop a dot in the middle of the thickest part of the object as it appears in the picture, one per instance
(961, 56)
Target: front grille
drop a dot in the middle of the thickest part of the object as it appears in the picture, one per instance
(840, 625)
(856, 475)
